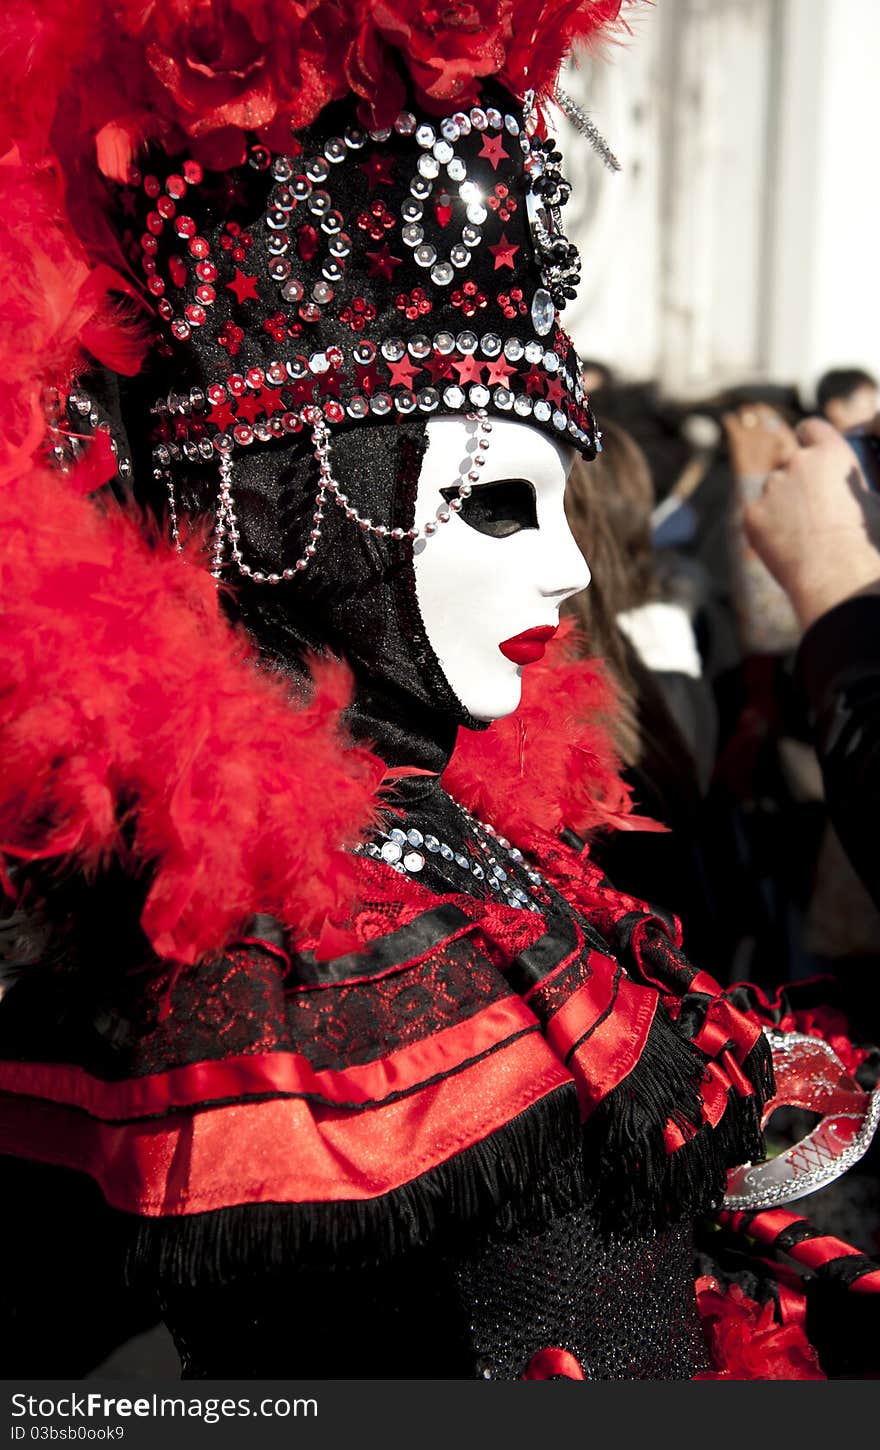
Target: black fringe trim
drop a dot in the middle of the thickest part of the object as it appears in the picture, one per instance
(528, 1171)
(643, 1186)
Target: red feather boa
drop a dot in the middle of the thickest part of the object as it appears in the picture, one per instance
(137, 722)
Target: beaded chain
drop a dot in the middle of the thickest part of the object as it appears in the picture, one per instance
(226, 527)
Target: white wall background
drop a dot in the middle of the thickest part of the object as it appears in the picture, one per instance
(742, 240)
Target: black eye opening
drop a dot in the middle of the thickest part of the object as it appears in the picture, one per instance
(499, 508)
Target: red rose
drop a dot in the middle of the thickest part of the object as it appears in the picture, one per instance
(446, 48)
(745, 1340)
(219, 64)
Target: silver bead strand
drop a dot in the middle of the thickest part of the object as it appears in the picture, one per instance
(163, 475)
(226, 526)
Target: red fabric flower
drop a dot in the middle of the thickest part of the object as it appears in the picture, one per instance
(745, 1340)
(446, 47)
(832, 1027)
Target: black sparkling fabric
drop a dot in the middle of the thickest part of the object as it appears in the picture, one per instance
(624, 1307)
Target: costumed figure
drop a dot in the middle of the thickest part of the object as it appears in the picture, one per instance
(322, 1038)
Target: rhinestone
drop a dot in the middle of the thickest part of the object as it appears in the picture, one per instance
(413, 860)
(551, 361)
(279, 270)
(292, 291)
(515, 853)
(494, 117)
(442, 274)
(456, 170)
(275, 374)
(322, 293)
(559, 420)
(462, 861)
(426, 136)
(319, 362)
(428, 400)
(543, 312)
(380, 404)
(522, 404)
(478, 871)
(419, 345)
(398, 835)
(405, 123)
(340, 245)
(534, 878)
(332, 223)
(542, 410)
(358, 407)
(412, 210)
(190, 451)
(446, 851)
(415, 838)
(420, 187)
(463, 122)
(443, 152)
(512, 125)
(283, 168)
(478, 118)
(317, 169)
(428, 165)
(301, 188)
(479, 395)
(364, 353)
(334, 150)
(243, 434)
(450, 129)
(425, 256)
(471, 236)
(490, 344)
(477, 213)
(513, 349)
(459, 255)
(412, 233)
(432, 843)
(444, 343)
(453, 397)
(534, 352)
(297, 367)
(405, 402)
(259, 158)
(391, 852)
(470, 192)
(503, 398)
(495, 885)
(319, 203)
(278, 244)
(355, 138)
(332, 271)
(500, 873)
(276, 220)
(467, 342)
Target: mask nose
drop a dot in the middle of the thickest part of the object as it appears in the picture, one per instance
(567, 570)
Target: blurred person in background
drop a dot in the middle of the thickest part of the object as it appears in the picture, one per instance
(816, 526)
(666, 728)
(848, 397)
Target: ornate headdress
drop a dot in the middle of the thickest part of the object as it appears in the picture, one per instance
(335, 213)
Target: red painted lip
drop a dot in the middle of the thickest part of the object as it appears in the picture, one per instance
(526, 648)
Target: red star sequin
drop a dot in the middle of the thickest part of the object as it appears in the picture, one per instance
(504, 252)
(329, 384)
(554, 391)
(402, 373)
(251, 407)
(221, 415)
(499, 373)
(493, 151)
(382, 264)
(368, 378)
(244, 286)
(378, 170)
(534, 380)
(468, 369)
(273, 402)
(438, 367)
(302, 391)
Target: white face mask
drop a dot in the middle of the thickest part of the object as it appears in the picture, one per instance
(489, 582)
